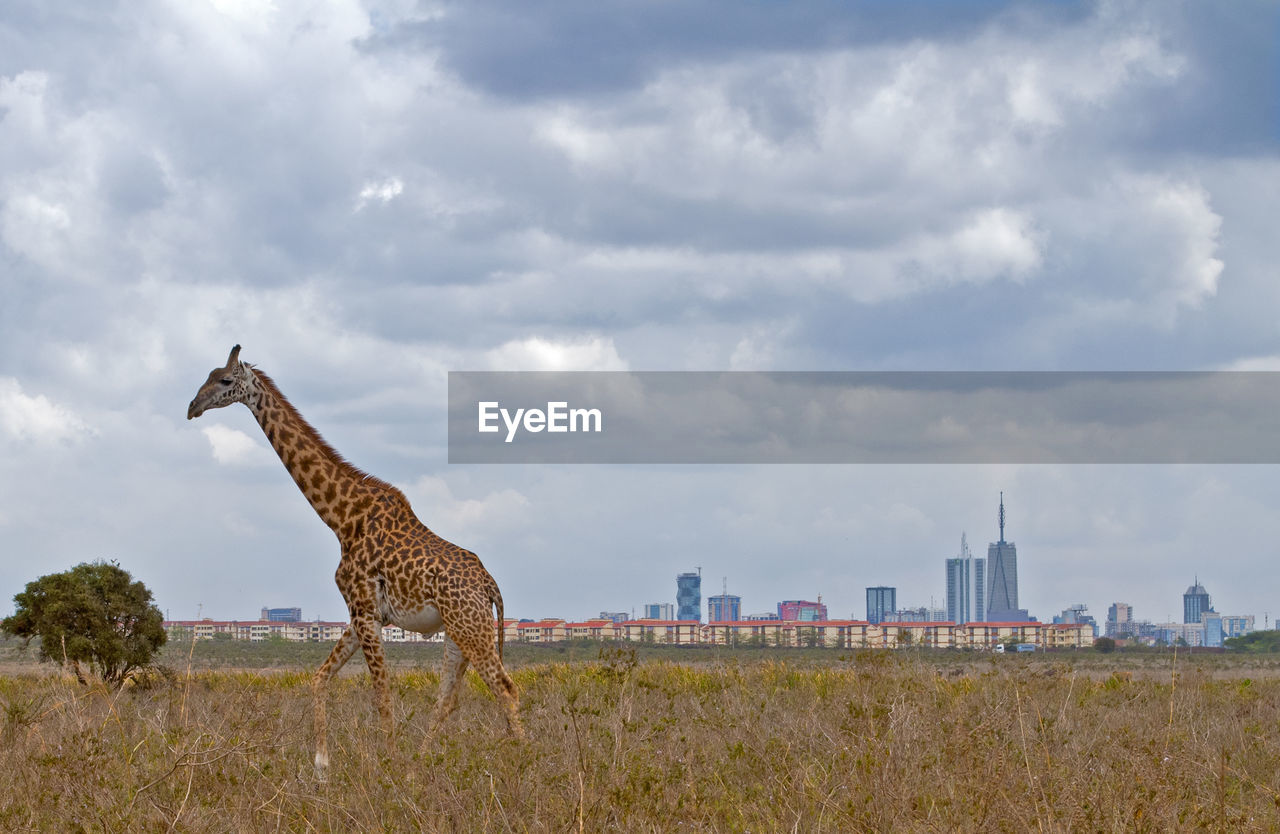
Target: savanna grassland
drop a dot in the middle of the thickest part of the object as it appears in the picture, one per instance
(667, 741)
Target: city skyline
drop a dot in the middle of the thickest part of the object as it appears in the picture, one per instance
(1195, 599)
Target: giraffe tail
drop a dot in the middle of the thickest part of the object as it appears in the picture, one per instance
(495, 596)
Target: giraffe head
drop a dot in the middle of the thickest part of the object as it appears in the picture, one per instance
(226, 385)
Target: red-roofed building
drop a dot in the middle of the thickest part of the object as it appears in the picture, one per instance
(667, 632)
(541, 631)
(929, 635)
(256, 630)
(828, 633)
(593, 630)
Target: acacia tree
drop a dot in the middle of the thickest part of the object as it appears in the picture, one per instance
(94, 613)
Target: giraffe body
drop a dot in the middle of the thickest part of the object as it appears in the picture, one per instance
(393, 570)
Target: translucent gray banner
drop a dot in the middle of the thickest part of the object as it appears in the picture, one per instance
(856, 417)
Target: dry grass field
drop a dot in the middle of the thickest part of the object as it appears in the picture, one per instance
(836, 742)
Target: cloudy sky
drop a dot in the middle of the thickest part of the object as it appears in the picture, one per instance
(369, 195)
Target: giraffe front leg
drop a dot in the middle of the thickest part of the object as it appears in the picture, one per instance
(341, 653)
(370, 634)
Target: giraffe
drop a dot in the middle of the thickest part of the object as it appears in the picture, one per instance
(393, 570)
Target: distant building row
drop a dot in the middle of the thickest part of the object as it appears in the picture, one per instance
(851, 634)
(298, 632)
(722, 608)
(1201, 626)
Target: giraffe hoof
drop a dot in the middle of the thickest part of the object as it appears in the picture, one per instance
(322, 767)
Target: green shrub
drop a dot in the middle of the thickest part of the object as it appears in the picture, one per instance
(94, 613)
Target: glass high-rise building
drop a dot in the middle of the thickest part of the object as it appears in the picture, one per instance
(882, 601)
(689, 596)
(659, 611)
(966, 587)
(1120, 620)
(1195, 602)
(724, 608)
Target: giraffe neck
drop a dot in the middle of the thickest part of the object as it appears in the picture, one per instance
(336, 490)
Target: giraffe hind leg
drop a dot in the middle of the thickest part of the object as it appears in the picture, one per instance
(452, 668)
(482, 653)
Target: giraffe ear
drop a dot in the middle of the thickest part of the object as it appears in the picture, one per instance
(235, 354)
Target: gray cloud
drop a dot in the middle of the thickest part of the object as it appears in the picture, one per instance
(367, 197)
(576, 49)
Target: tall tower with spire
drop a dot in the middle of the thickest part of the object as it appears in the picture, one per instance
(1002, 577)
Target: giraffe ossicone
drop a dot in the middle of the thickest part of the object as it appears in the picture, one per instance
(392, 571)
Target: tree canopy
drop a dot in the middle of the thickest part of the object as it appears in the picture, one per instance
(94, 613)
(1255, 641)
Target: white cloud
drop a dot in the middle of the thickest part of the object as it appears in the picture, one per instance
(35, 227)
(36, 418)
(22, 97)
(232, 447)
(995, 242)
(591, 353)
(255, 14)
(1254, 363)
(1185, 239)
(466, 519)
(383, 192)
(1147, 246)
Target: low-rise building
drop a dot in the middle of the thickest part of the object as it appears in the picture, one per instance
(593, 630)
(396, 634)
(255, 630)
(989, 635)
(754, 633)
(542, 631)
(667, 632)
(934, 634)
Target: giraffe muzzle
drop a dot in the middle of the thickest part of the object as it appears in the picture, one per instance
(193, 412)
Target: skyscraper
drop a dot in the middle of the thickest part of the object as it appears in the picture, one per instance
(689, 596)
(1195, 602)
(1120, 620)
(881, 601)
(1002, 578)
(966, 587)
(659, 611)
(724, 608)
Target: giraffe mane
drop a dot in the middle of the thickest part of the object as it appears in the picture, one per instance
(331, 454)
